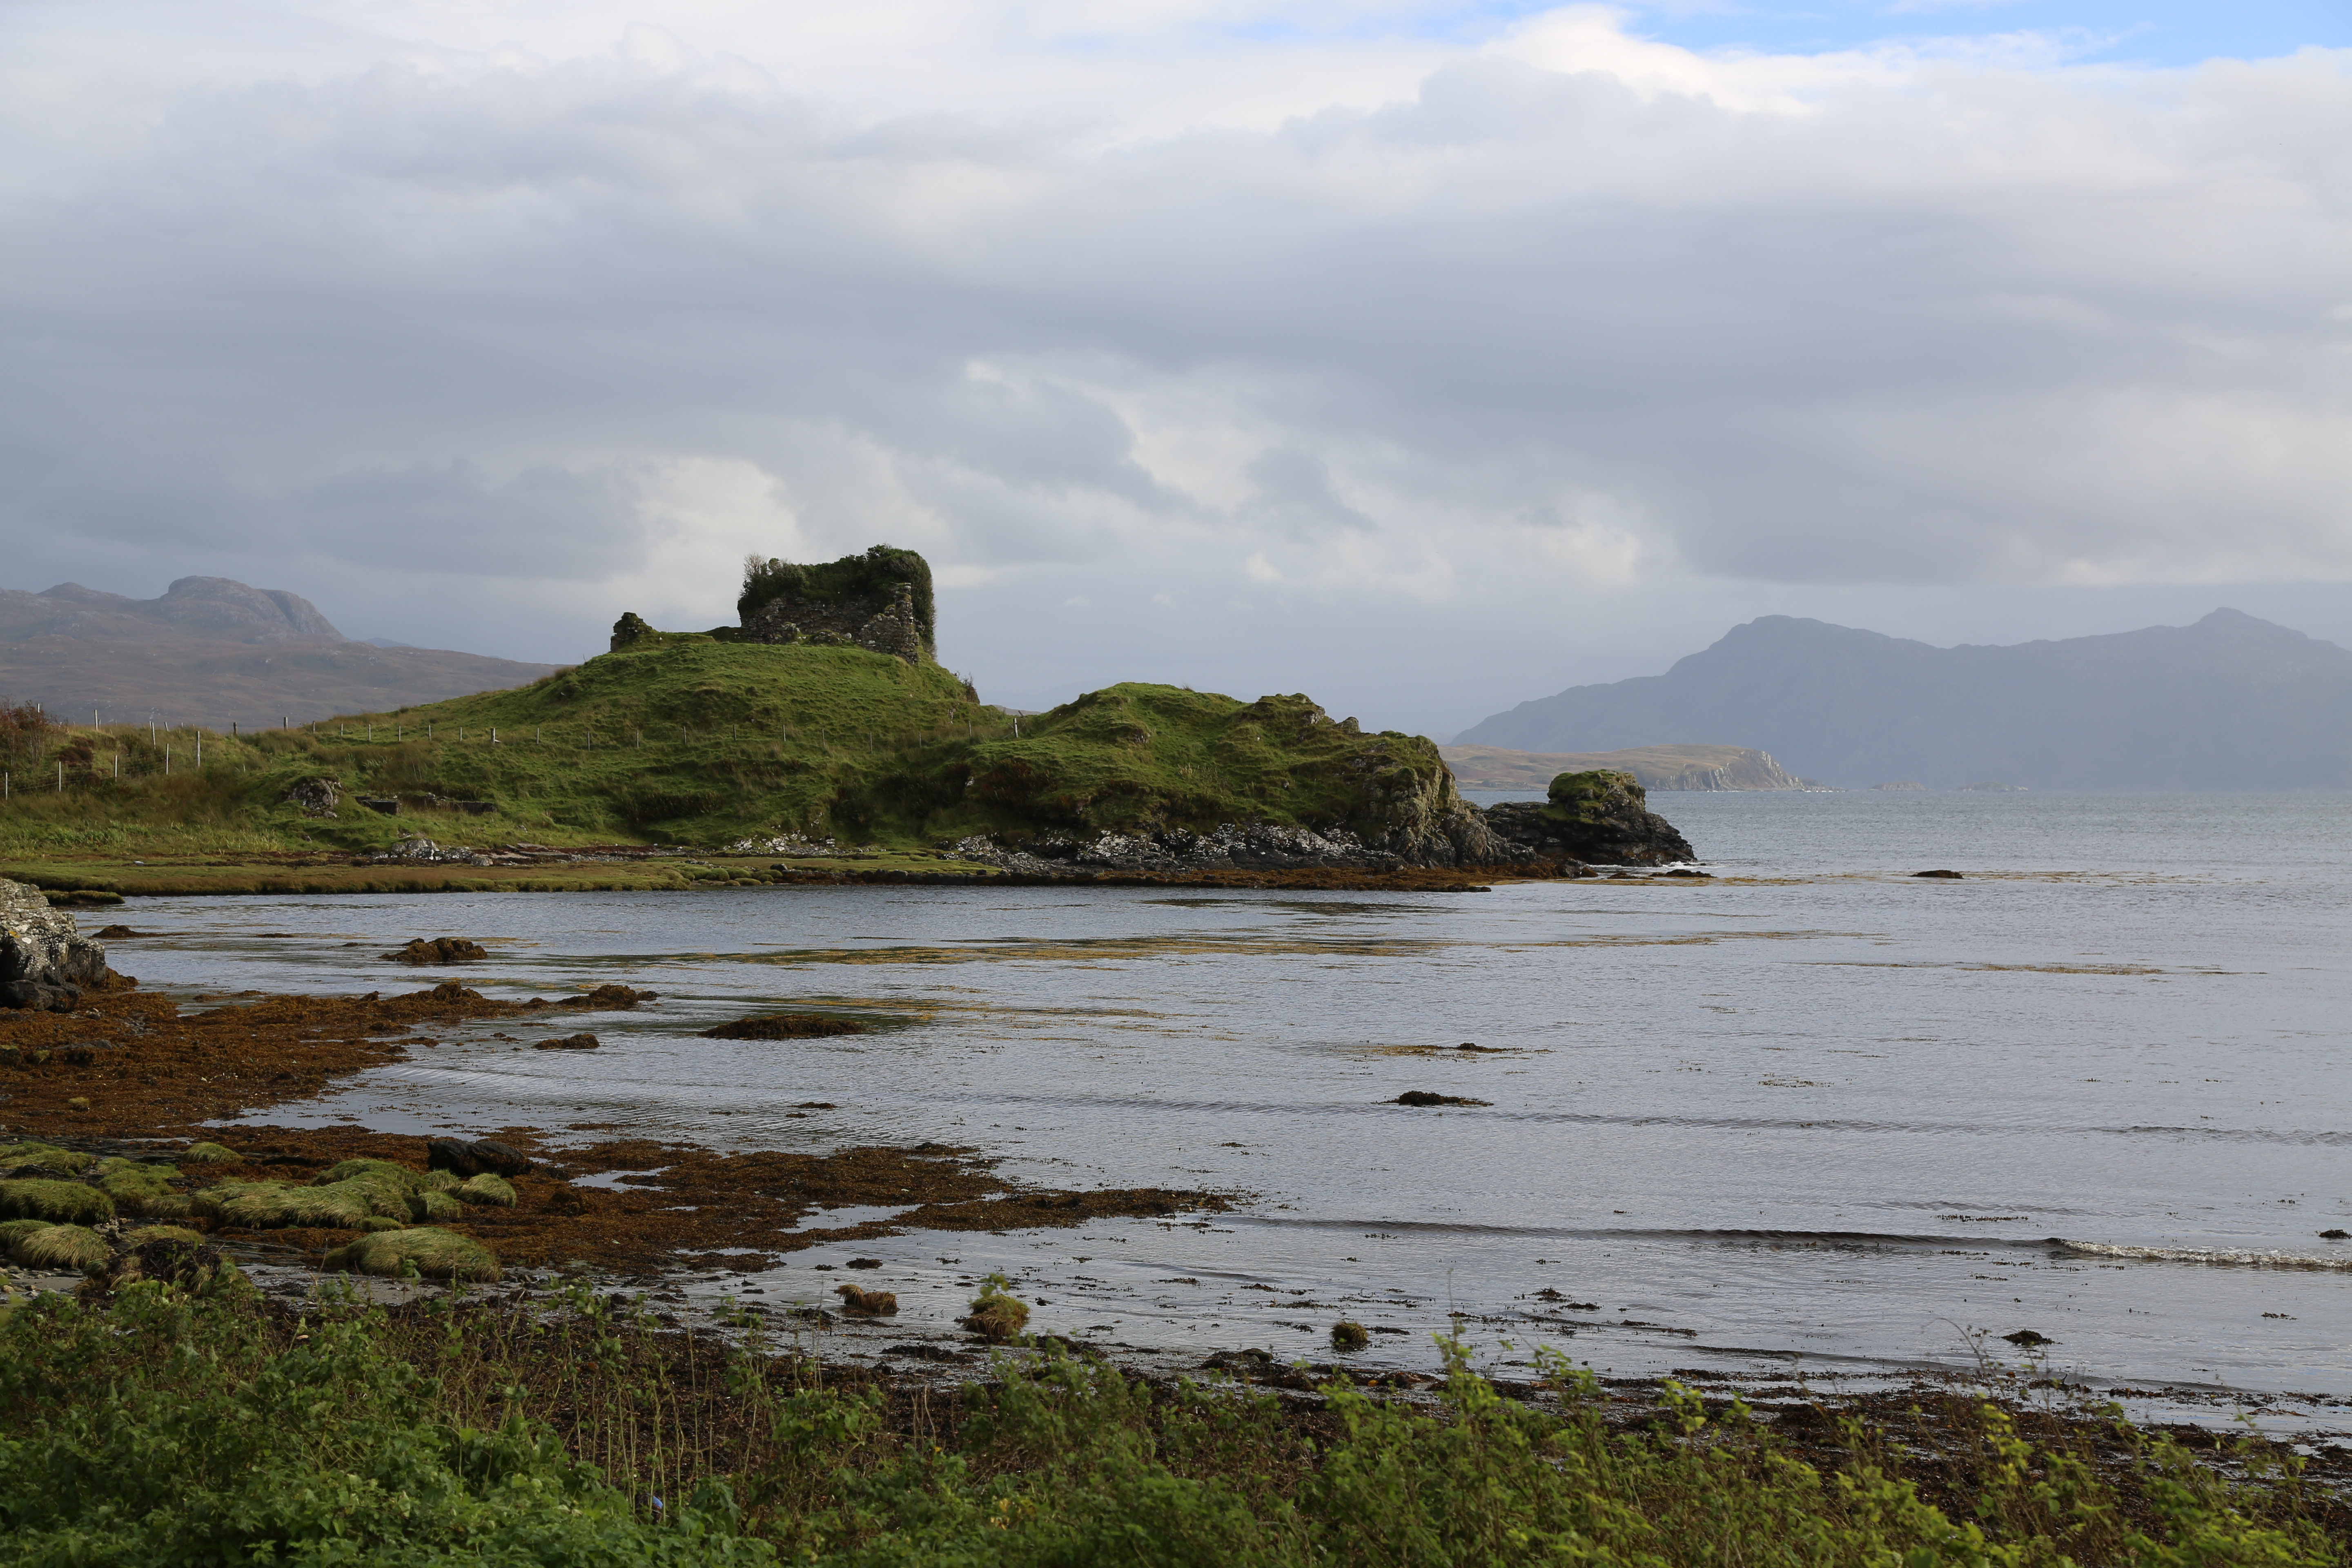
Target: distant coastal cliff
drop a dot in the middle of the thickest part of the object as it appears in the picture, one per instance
(1670, 768)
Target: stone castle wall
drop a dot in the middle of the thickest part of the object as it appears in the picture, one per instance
(889, 627)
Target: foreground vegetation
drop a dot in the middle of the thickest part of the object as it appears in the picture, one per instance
(686, 740)
(163, 1429)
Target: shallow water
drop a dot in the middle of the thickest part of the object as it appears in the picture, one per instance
(1815, 1114)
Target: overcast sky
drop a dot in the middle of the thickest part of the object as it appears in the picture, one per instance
(1424, 358)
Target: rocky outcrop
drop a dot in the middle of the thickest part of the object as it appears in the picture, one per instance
(315, 796)
(1600, 817)
(45, 963)
(1233, 846)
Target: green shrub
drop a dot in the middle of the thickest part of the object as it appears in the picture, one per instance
(173, 1432)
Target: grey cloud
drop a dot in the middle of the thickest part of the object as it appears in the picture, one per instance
(1981, 327)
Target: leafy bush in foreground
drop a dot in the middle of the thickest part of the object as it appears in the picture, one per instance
(165, 1431)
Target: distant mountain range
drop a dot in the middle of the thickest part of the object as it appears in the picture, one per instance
(210, 651)
(2231, 702)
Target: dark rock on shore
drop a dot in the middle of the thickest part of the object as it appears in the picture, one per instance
(1602, 815)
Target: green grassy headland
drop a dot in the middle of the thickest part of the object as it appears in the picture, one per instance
(689, 740)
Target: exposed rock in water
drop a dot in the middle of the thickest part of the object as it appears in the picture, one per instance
(440, 950)
(44, 960)
(1423, 1097)
(1600, 815)
(582, 1042)
(1944, 875)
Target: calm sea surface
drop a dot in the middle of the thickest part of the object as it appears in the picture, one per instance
(1816, 1113)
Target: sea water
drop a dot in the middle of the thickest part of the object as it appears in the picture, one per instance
(1814, 1116)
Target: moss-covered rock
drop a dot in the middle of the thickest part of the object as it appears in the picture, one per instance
(65, 1247)
(333, 1205)
(432, 1252)
(996, 1315)
(1602, 815)
(147, 1232)
(432, 1206)
(63, 1203)
(28, 1152)
(210, 1154)
(489, 1190)
(137, 1188)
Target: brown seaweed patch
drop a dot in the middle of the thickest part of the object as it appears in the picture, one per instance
(787, 1026)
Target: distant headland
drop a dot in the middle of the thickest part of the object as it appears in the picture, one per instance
(819, 734)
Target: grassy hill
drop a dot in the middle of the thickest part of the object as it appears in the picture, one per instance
(686, 740)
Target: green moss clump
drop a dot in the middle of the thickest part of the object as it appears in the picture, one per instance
(376, 1222)
(995, 1315)
(1349, 1337)
(65, 1203)
(438, 1182)
(352, 1168)
(64, 1247)
(335, 1206)
(210, 1154)
(489, 1189)
(147, 1232)
(437, 1254)
(15, 1230)
(28, 1152)
(431, 1206)
(140, 1189)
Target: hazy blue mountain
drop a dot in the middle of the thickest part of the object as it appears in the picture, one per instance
(2231, 702)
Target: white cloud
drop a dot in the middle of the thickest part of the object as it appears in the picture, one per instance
(446, 307)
